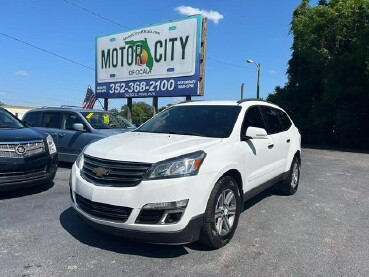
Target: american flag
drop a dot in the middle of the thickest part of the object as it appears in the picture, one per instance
(90, 99)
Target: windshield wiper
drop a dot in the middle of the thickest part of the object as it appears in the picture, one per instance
(186, 133)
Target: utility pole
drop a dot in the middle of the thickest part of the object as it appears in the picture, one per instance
(242, 86)
(258, 80)
(258, 83)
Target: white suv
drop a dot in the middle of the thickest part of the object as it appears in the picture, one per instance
(184, 174)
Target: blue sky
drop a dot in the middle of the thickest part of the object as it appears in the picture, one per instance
(249, 29)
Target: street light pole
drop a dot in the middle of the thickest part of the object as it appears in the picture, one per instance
(258, 80)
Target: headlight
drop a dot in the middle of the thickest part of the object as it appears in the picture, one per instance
(50, 144)
(80, 160)
(186, 165)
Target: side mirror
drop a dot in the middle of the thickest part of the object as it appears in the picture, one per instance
(78, 127)
(255, 133)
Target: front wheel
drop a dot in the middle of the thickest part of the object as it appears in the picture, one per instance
(222, 213)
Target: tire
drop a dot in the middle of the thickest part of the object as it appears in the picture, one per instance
(290, 185)
(222, 213)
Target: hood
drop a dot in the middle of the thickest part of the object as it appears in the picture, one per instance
(147, 147)
(110, 132)
(20, 135)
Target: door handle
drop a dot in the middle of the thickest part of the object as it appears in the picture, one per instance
(270, 146)
(288, 140)
(61, 134)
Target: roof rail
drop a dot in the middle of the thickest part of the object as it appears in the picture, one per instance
(70, 106)
(251, 99)
(188, 101)
(44, 107)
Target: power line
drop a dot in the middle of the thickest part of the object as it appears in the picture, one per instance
(46, 51)
(226, 63)
(95, 14)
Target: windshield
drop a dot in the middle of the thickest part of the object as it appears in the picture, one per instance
(8, 121)
(103, 120)
(125, 122)
(196, 120)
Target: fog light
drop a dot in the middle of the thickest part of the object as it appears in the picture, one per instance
(181, 204)
(173, 217)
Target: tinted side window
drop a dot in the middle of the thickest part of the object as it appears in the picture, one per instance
(51, 120)
(32, 119)
(271, 116)
(286, 122)
(68, 120)
(253, 118)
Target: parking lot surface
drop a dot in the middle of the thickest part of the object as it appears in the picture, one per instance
(322, 230)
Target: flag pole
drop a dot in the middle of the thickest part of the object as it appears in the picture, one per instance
(100, 104)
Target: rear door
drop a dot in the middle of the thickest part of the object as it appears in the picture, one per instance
(275, 130)
(259, 153)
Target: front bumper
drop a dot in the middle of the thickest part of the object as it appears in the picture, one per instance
(189, 234)
(195, 188)
(24, 172)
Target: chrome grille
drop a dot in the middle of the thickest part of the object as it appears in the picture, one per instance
(9, 150)
(116, 173)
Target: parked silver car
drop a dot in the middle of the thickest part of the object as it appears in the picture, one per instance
(74, 128)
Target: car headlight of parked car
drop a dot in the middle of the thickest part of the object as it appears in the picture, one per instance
(80, 159)
(186, 165)
(50, 144)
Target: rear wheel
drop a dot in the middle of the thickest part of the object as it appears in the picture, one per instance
(222, 213)
(291, 183)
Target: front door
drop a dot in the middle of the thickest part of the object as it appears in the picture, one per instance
(70, 141)
(259, 153)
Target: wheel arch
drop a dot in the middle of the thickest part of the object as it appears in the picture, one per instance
(298, 155)
(235, 174)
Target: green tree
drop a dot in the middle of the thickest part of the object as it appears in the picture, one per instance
(2, 103)
(114, 110)
(141, 112)
(328, 74)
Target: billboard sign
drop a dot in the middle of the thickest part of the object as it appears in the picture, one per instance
(158, 60)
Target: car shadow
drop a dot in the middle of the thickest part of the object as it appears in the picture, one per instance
(20, 192)
(65, 165)
(71, 222)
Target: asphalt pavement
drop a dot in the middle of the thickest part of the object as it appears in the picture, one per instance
(322, 230)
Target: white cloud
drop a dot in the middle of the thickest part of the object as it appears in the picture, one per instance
(21, 73)
(211, 15)
(273, 72)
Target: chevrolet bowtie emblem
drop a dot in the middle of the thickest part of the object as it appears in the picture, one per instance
(99, 171)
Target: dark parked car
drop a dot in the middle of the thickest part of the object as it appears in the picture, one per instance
(27, 156)
(74, 128)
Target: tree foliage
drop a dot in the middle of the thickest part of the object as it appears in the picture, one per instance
(141, 112)
(327, 93)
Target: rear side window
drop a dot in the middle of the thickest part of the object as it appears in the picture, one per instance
(51, 120)
(32, 119)
(286, 122)
(271, 116)
(253, 118)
